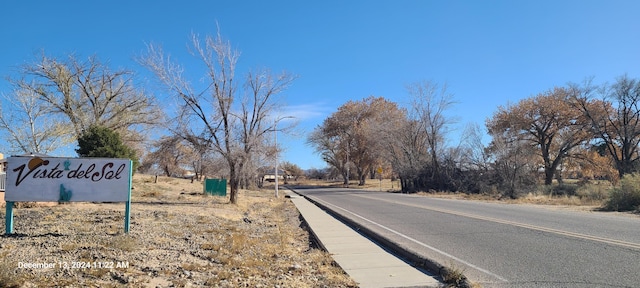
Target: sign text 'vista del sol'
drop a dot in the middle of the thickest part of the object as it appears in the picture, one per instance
(68, 179)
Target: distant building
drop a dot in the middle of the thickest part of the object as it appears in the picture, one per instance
(3, 172)
(269, 175)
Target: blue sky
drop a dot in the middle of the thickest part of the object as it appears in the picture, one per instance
(489, 53)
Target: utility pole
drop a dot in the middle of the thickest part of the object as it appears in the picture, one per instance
(275, 141)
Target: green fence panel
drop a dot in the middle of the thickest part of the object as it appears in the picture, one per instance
(215, 187)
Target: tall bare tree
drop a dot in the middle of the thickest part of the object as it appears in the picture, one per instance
(430, 102)
(232, 121)
(406, 150)
(614, 113)
(332, 150)
(514, 161)
(89, 93)
(29, 125)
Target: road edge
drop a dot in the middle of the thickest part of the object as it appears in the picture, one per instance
(404, 253)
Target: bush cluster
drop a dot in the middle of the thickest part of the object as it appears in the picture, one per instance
(625, 197)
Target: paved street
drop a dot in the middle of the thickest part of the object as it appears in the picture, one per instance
(501, 245)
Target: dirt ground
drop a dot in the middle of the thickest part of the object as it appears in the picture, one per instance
(179, 238)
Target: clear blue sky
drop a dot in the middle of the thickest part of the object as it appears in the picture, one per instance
(489, 53)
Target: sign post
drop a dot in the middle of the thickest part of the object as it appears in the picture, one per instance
(53, 179)
(8, 218)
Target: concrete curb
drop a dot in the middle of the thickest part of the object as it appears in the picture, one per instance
(399, 250)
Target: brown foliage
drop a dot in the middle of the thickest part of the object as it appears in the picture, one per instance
(351, 137)
(615, 119)
(549, 122)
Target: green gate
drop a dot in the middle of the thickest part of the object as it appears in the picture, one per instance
(215, 187)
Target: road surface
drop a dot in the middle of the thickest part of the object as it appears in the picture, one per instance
(501, 245)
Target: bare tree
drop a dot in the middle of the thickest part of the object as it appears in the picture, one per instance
(232, 122)
(89, 93)
(332, 150)
(475, 155)
(615, 119)
(430, 102)
(514, 162)
(407, 152)
(170, 155)
(29, 124)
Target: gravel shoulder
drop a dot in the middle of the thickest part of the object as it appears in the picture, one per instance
(179, 238)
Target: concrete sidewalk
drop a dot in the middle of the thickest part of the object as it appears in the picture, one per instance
(366, 263)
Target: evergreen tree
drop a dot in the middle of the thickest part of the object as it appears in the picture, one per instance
(100, 141)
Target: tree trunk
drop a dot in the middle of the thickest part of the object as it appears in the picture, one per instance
(548, 175)
(362, 175)
(345, 177)
(233, 184)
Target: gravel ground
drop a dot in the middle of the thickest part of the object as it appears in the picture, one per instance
(178, 238)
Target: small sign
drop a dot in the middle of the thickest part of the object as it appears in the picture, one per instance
(52, 179)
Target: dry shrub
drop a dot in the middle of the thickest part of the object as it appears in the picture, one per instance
(453, 276)
(625, 197)
(593, 191)
(151, 193)
(122, 242)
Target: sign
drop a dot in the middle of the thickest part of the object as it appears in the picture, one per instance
(53, 179)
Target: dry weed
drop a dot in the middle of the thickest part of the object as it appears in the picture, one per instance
(178, 237)
(8, 276)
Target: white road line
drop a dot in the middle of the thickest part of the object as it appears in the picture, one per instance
(417, 242)
(517, 224)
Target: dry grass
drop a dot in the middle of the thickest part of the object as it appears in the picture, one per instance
(179, 237)
(453, 276)
(8, 275)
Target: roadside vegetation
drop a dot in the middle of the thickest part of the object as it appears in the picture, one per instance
(591, 195)
(179, 238)
(576, 142)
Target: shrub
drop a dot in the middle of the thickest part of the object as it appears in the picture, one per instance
(565, 189)
(625, 197)
(100, 141)
(555, 190)
(591, 191)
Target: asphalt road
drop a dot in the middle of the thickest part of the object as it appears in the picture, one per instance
(501, 245)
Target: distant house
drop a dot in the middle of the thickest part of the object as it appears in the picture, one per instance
(3, 164)
(269, 175)
(3, 171)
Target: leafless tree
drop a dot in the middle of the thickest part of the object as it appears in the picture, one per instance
(514, 162)
(170, 155)
(475, 155)
(430, 102)
(614, 113)
(407, 152)
(29, 125)
(333, 150)
(89, 93)
(231, 121)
